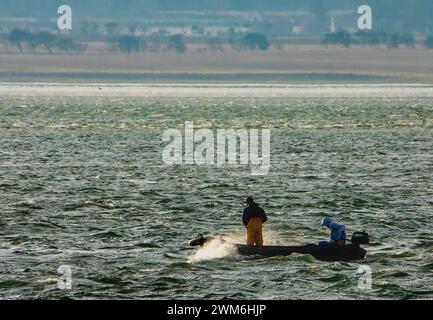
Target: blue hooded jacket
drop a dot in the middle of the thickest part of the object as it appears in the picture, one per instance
(338, 231)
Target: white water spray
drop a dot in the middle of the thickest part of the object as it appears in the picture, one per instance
(215, 249)
(223, 246)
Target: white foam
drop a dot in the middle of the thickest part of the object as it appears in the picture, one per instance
(215, 249)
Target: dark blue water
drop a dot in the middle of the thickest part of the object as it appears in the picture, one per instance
(82, 184)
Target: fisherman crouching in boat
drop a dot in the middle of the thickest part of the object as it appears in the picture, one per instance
(338, 233)
(253, 218)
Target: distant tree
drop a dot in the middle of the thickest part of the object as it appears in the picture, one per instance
(17, 37)
(429, 42)
(345, 38)
(129, 44)
(254, 41)
(383, 37)
(4, 39)
(341, 37)
(176, 44)
(67, 43)
(408, 40)
(393, 41)
(46, 39)
(32, 41)
(369, 38)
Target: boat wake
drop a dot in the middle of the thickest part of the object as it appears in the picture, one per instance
(215, 249)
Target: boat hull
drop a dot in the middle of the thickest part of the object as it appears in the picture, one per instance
(322, 253)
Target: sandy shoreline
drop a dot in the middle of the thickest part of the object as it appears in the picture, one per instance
(209, 90)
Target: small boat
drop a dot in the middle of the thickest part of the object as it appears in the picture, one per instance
(330, 253)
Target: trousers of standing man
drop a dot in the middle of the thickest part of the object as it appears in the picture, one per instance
(255, 232)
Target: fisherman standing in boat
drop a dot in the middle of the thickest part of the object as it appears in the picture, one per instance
(253, 218)
(338, 233)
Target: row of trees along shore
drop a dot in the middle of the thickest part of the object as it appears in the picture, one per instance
(47, 41)
(44, 39)
(26, 41)
(374, 39)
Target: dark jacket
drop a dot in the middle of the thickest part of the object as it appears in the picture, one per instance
(253, 211)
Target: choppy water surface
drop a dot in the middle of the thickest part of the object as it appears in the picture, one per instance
(82, 183)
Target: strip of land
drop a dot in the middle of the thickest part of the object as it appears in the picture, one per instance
(362, 91)
(293, 64)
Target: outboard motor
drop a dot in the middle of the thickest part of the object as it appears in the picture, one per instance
(199, 241)
(360, 238)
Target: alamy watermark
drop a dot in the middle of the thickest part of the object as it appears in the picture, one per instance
(65, 280)
(365, 279)
(365, 21)
(202, 147)
(64, 22)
